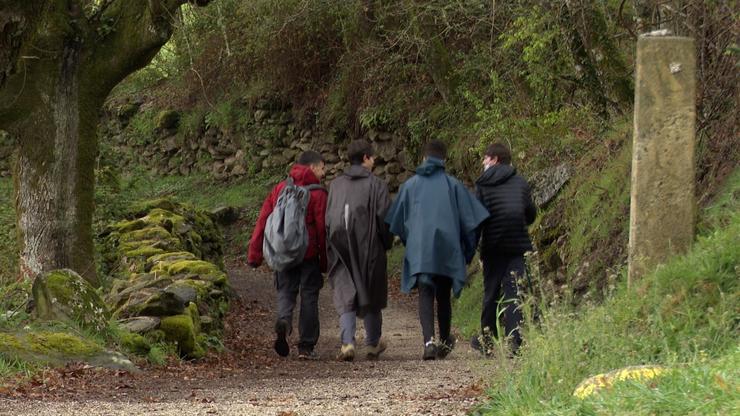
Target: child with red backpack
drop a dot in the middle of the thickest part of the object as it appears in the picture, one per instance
(295, 250)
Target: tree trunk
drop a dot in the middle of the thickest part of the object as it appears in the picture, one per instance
(54, 172)
(69, 56)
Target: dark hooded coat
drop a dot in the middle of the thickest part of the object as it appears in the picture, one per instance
(507, 197)
(358, 238)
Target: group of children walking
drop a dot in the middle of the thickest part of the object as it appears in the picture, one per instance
(350, 227)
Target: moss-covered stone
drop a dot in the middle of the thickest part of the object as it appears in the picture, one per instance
(58, 348)
(195, 267)
(156, 336)
(128, 226)
(192, 310)
(202, 288)
(168, 119)
(136, 283)
(143, 252)
(142, 208)
(153, 232)
(134, 343)
(155, 303)
(186, 293)
(67, 344)
(63, 295)
(181, 330)
(169, 244)
(169, 257)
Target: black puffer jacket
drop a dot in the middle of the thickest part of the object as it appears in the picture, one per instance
(508, 198)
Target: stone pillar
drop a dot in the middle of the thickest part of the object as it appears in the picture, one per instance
(663, 174)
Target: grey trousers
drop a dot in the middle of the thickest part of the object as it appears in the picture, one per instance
(373, 327)
(307, 280)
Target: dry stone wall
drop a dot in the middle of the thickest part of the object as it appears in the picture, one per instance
(168, 280)
(264, 136)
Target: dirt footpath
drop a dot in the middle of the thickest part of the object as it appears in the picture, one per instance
(248, 378)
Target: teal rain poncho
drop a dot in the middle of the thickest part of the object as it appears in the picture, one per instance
(437, 219)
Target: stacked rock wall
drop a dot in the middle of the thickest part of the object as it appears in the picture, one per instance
(266, 136)
(168, 278)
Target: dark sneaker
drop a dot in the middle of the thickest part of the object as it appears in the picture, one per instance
(475, 343)
(430, 352)
(485, 347)
(446, 347)
(281, 342)
(307, 355)
(374, 352)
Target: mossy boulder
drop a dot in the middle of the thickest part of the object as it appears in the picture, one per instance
(192, 267)
(182, 330)
(134, 343)
(152, 302)
(225, 215)
(168, 119)
(184, 292)
(152, 232)
(123, 289)
(140, 324)
(58, 348)
(168, 258)
(63, 295)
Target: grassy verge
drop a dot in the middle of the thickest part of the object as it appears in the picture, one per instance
(116, 194)
(683, 316)
(467, 308)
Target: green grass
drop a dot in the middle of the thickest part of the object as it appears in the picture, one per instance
(196, 189)
(10, 368)
(467, 308)
(706, 387)
(114, 198)
(720, 213)
(597, 212)
(683, 316)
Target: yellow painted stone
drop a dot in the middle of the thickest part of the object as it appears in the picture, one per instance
(601, 381)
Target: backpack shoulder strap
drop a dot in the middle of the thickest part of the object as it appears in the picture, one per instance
(315, 186)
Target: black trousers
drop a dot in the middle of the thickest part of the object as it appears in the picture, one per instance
(307, 280)
(441, 290)
(501, 295)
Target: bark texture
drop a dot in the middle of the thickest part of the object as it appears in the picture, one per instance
(58, 62)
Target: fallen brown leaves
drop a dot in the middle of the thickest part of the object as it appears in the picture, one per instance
(247, 331)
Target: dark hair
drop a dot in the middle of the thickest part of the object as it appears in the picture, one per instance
(499, 151)
(357, 150)
(309, 157)
(435, 148)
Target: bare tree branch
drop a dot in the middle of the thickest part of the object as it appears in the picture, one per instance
(129, 34)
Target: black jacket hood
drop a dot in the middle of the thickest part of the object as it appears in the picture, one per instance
(496, 175)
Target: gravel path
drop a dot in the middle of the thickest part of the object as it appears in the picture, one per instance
(249, 379)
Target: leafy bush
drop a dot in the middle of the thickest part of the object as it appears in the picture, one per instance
(143, 126)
